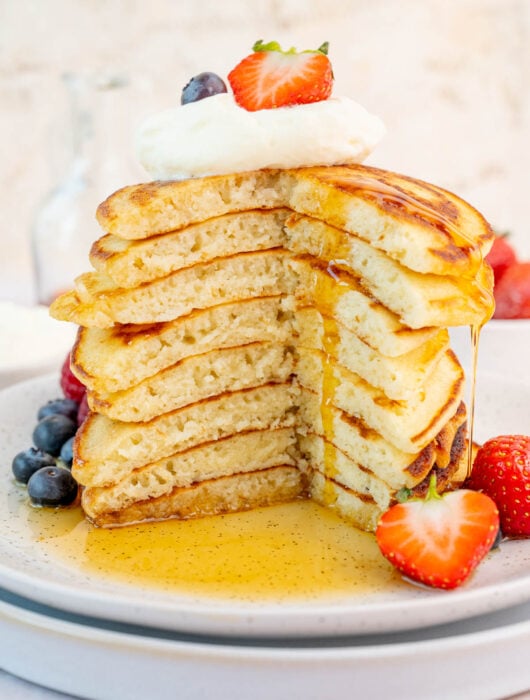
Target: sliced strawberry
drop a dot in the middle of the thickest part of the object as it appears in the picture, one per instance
(439, 540)
(71, 386)
(512, 293)
(500, 257)
(270, 77)
(502, 471)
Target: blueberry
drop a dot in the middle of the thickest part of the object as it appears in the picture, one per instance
(52, 486)
(52, 432)
(67, 454)
(28, 462)
(201, 86)
(66, 407)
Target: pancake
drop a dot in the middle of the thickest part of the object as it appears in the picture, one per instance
(399, 377)
(196, 378)
(105, 449)
(409, 425)
(368, 450)
(418, 299)
(422, 226)
(235, 454)
(112, 359)
(98, 302)
(181, 484)
(362, 509)
(249, 453)
(418, 224)
(131, 263)
(251, 338)
(226, 494)
(337, 294)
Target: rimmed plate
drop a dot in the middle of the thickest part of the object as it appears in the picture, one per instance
(477, 659)
(28, 570)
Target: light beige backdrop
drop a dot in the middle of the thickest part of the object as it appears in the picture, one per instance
(449, 77)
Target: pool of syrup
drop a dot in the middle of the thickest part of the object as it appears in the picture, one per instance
(293, 551)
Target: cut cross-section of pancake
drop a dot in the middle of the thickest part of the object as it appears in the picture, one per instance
(98, 301)
(400, 377)
(196, 378)
(132, 263)
(112, 359)
(226, 494)
(409, 424)
(106, 450)
(235, 454)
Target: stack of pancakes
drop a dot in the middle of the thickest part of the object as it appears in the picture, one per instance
(253, 338)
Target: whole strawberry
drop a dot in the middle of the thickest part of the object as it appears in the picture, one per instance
(512, 293)
(70, 384)
(270, 77)
(502, 471)
(439, 540)
(500, 257)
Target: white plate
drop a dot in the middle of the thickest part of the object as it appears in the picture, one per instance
(26, 569)
(478, 659)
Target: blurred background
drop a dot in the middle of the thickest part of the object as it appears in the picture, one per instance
(450, 78)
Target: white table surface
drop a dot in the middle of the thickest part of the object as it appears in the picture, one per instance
(12, 688)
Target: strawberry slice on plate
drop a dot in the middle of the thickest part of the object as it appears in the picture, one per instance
(270, 77)
(439, 540)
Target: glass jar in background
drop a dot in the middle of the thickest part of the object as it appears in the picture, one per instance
(64, 226)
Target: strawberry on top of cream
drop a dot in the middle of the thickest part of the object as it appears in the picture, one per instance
(215, 136)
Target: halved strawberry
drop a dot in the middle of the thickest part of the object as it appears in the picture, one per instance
(439, 540)
(270, 77)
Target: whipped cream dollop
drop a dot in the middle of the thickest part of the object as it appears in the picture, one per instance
(215, 136)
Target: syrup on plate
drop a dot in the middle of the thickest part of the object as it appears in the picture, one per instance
(293, 551)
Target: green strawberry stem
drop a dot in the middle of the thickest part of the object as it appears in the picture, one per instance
(432, 493)
(405, 494)
(275, 46)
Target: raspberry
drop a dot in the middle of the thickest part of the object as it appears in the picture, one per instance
(71, 386)
(82, 413)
